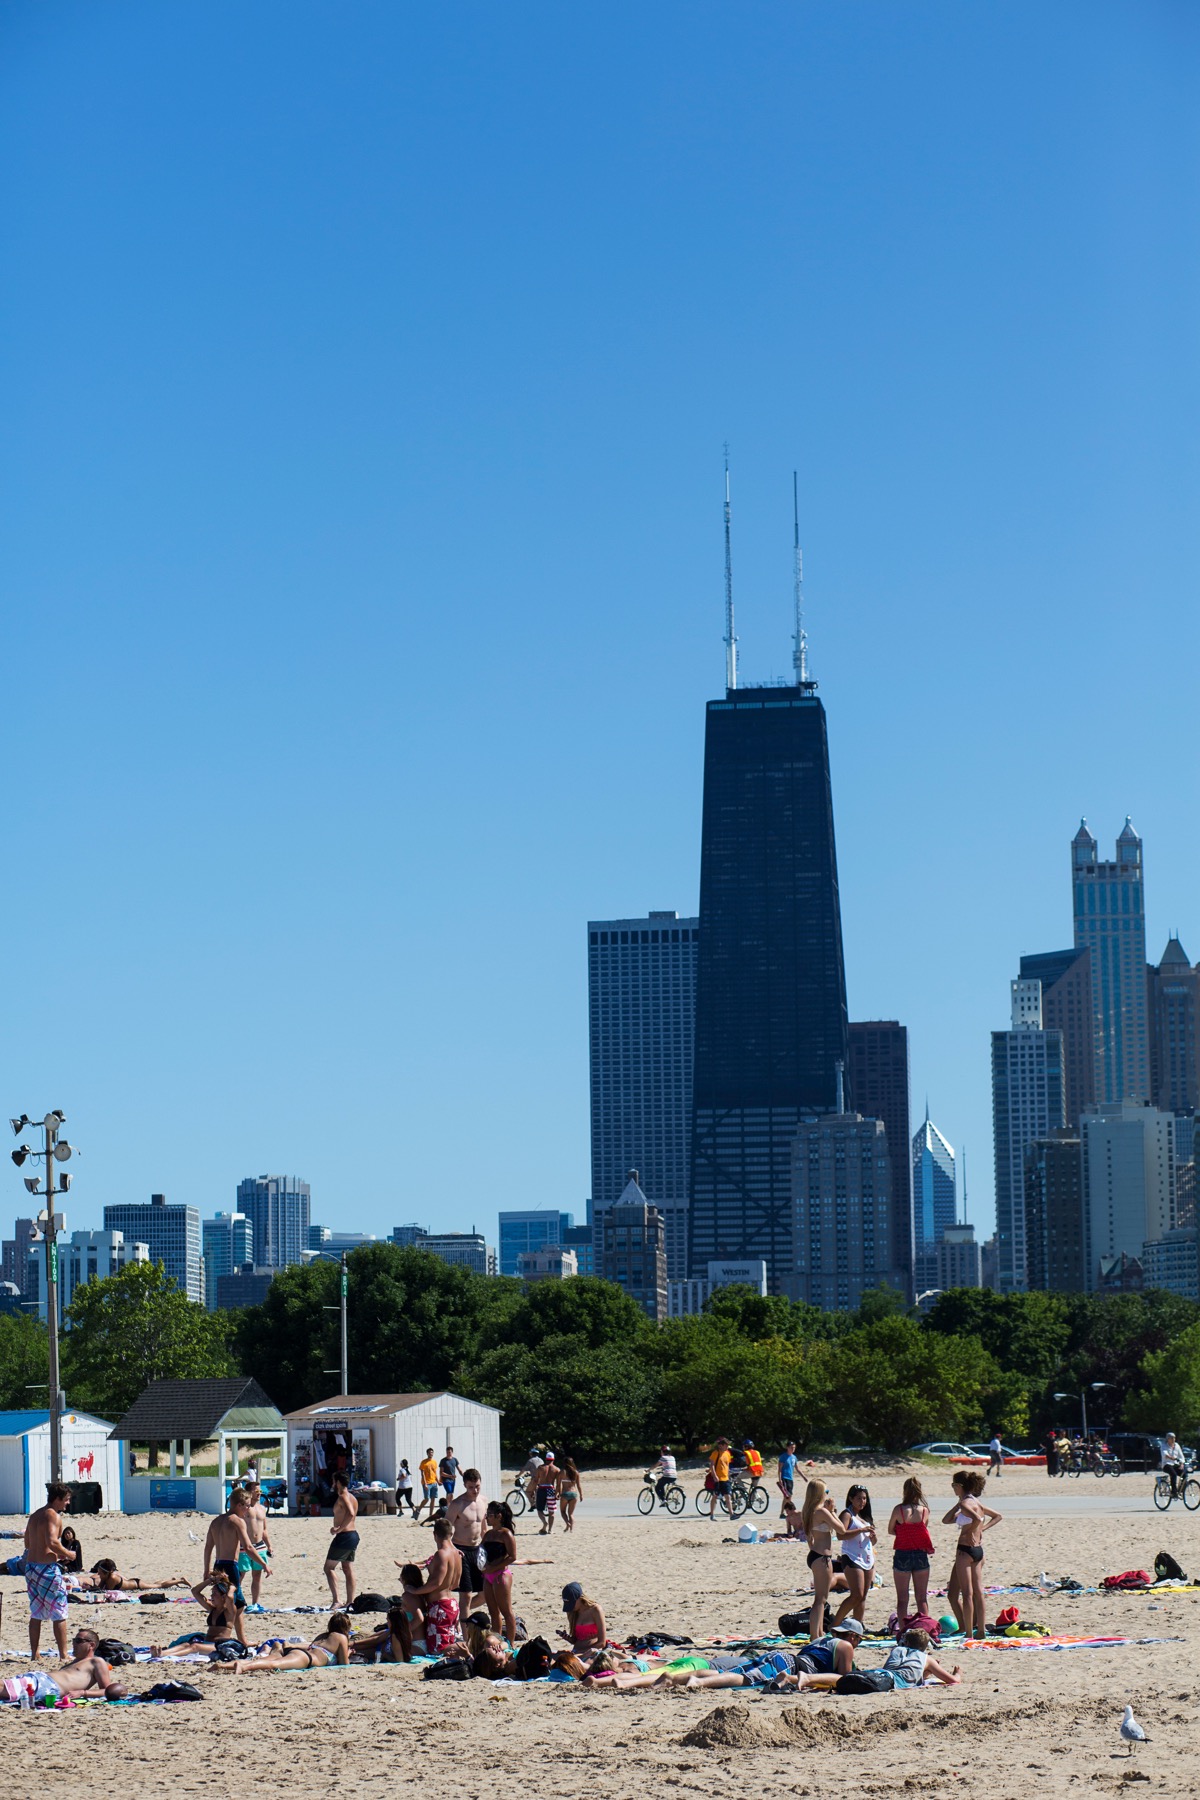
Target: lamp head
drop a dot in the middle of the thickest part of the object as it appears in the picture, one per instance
(19, 1125)
(20, 1154)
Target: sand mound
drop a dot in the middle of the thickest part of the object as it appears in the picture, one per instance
(840, 1725)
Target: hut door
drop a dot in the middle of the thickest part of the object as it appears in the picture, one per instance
(362, 1453)
(463, 1439)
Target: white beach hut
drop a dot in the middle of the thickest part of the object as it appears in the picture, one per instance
(87, 1455)
(366, 1435)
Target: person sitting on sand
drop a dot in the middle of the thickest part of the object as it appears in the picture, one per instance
(412, 1580)
(586, 1631)
(69, 1541)
(106, 1578)
(84, 1673)
(392, 1643)
(330, 1646)
(225, 1632)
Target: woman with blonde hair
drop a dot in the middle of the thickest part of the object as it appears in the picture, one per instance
(821, 1524)
(973, 1518)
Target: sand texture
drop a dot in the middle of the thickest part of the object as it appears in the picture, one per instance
(1023, 1721)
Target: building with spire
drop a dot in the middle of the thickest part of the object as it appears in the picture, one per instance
(935, 1199)
(633, 1251)
(1174, 1001)
(771, 1022)
(1110, 923)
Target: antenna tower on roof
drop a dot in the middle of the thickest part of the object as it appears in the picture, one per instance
(730, 634)
(800, 641)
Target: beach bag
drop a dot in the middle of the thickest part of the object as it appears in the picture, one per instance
(454, 1669)
(372, 1603)
(1167, 1569)
(152, 1599)
(793, 1624)
(1128, 1580)
(1009, 1616)
(173, 1690)
(710, 1483)
(918, 1621)
(115, 1652)
(533, 1659)
(865, 1681)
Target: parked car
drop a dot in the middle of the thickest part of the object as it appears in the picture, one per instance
(1140, 1450)
(952, 1452)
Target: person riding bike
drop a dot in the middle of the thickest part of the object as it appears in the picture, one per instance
(664, 1468)
(752, 1460)
(1173, 1463)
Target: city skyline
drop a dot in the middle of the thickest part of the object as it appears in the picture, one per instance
(364, 552)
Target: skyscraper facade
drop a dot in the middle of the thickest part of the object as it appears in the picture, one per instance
(1129, 1183)
(1028, 1101)
(227, 1241)
(842, 1196)
(1066, 978)
(278, 1208)
(935, 1199)
(171, 1234)
(633, 1250)
(641, 1025)
(1055, 1259)
(1174, 1004)
(877, 1084)
(1110, 923)
(771, 1024)
(525, 1233)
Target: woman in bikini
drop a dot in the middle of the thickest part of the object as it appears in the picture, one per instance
(105, 1577)
(331, 1646)
(973, 1518)
(586, 1631)
(572, 1493)
(912, 1545)
(224, 1633)
(821, 1524)
(499, 1547)
(858, 1551)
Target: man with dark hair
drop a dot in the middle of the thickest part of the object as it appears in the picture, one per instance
(439, 1595)
(467, 1514)
(343, 1538)
(82, 1673)
(45, 1559)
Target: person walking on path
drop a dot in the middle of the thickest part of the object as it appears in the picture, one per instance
(46, 1558)
(571, 1493)
(995, 1456)
(546, 1485)
(404, 1488)
(343, 1539)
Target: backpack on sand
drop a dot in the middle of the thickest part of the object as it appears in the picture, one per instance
(1167, 1569)
(1130, 1580)
(173, 1690)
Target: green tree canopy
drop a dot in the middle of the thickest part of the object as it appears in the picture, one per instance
(133, 1328)
(23, 1362)
(895, 1383)
(593, 1311)
(1168, 1395)
(588, 1400)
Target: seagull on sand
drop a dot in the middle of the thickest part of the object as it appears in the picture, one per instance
(1131, 1731)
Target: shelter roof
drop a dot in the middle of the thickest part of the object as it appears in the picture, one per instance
(197, 1410)
(369, 1406)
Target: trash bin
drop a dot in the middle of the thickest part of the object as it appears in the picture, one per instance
(86, 1497)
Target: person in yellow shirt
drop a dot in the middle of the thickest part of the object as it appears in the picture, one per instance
(429, 1484)
(719, 1463)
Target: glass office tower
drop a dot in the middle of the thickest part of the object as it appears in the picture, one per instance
(771, 1022)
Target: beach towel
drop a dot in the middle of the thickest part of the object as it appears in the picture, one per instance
(37, 1685)
(47, 1590)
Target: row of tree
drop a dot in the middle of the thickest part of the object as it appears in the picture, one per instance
(577, 1362)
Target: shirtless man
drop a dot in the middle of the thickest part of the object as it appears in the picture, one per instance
(228, 1540)
(439, 1595)
(344, 1538)
(46, 1558)
(467, 1516)
(256, 1524)
(83, 1673)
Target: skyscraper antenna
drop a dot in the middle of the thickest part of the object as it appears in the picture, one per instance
(964, 1169)
(730, 634)
(800, 641)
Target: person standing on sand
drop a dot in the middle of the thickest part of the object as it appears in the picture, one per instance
(572, 1493)
(228, 1542)
(909, 1526)
(973, 1518)
(466, 1514)
(46, 1559)
(720, 1463)
(546, 1485)
(256, 1524)
(787, 1471)
(343, 1539)
(428, 1471)
(439, 1594)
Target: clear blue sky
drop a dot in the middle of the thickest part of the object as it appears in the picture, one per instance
(365, 375)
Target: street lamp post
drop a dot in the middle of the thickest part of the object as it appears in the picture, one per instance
(1095, 1386)
(57, 1150)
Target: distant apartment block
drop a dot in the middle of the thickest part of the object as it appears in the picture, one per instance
(877, 1080)
(536, 1228)
(171, 1235)
(462, 1249)
(633, 1252)
(278, 1208)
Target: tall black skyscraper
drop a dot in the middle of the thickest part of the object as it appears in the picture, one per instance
(770, 984)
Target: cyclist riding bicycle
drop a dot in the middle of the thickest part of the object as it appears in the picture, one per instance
(664, 1468)
(752, 1460)
(1173, 1463)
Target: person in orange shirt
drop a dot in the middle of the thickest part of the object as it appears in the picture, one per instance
(719, 1463)
(429, 1484)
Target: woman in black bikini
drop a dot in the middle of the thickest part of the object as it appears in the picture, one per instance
(224, 1633)
(331, 1646)
(821, 1524)
(973, 1518)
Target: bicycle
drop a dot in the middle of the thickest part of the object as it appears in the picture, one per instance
(518, 1501)
(733, 1503)
(674, 1498)
(1188, 1491)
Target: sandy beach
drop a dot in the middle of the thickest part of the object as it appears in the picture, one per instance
(1023, 1719)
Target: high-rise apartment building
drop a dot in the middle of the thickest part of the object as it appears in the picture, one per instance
(462, 1249)
(17, 1262)
(959, 1258)
(171, 1235)
(641, 1025)
(877, 1083)
(935, 1200)
(278, 1208)
(82, 1257)
(1028, 1101)
(842, 1196)
(1110, 923)
(525, 1233)
(771, 1024)
(1066, 978)
(1174, 1000)
(1173, 1262)
(633, 1249)
(1129, 1183)
(1055, 1255)
(227, 1241)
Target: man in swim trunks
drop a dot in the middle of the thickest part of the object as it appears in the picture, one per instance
(256, 1524)
(46, 1558)
(344, 1538)
(228, 1540)
(82, 1673)
(448, 1471)
(466, 1514)
(439, 1595)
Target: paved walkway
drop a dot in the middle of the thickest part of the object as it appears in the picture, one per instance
(1085, 1498)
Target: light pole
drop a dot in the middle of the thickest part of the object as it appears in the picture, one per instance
(57, 1150)
(344, 1371)
(1082, 1399)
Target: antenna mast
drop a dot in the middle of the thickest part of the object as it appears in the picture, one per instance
(730, 634)
(964, 1170)
(800, 641)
